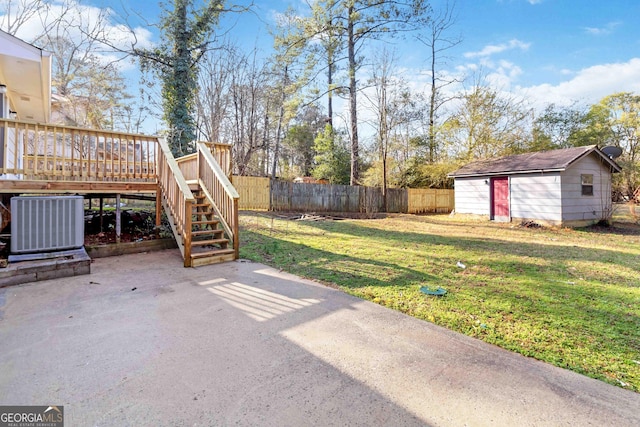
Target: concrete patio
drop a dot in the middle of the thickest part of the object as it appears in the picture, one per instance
(144, 341)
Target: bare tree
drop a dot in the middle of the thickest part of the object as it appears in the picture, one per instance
(287, 73)
(89, 88)
(214, 83)
(17, 14)
(488, 124)
(358, 22)
(437, 38)
(325, 54)
(394, 108)
(246, 124)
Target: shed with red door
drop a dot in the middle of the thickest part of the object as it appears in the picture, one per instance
(567, 187)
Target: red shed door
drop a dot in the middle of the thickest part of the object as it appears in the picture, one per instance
(500, 199)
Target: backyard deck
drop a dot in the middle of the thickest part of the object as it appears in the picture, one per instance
(50, 159)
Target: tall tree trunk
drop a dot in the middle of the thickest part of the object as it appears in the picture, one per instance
(330, 79)
(353, 110)
(330, 92)
(181, 132)
(276, 150)
(432, 106)
(265, 144)
(384, 138)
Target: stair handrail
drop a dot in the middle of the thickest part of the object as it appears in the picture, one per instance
(178, 198)
(222, 153)
(220, 192)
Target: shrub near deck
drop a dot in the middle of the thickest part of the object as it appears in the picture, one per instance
(567, 297)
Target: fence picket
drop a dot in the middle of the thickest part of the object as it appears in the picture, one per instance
(259, 193)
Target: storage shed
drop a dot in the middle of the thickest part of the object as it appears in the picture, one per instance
(568, 187)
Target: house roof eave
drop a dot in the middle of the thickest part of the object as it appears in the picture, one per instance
(26, 72)
(507, 173)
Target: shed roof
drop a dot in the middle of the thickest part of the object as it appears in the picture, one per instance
(541, 161)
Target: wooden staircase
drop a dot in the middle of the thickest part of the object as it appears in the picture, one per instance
(201, 204)
(208, 242)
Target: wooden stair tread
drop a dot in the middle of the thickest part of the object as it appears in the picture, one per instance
(208, 242)
(203, 232)
(195, 255)
(210, 222)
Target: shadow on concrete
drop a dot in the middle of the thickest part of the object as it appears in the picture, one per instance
(144, 341)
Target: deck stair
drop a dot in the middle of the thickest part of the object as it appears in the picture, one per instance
(201, 205)
(209, 244)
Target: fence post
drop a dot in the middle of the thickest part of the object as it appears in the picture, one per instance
(271, 192)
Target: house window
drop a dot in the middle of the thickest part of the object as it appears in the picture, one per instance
(587, 184)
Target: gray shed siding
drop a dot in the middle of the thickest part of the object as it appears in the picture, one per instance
(575, 206)
(536, 196)
(545, 187)
(472, 196)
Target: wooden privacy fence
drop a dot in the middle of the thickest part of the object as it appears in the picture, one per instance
(254, 192)
(257, 193)
(422, 200)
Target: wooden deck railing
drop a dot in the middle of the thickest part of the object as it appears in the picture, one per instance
(189, 166)
(220, 192)
(222, 153)
(177, 198)
(35, 151)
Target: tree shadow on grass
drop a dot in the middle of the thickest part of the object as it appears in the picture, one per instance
(554, 252)
(617, 228)
(320, 264)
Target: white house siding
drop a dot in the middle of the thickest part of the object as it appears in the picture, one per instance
(536, 197)
(576, 208)
(472, 196)
(13, 154)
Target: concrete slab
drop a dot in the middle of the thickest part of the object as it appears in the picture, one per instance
(144, 341)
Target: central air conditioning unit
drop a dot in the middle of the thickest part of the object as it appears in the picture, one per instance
(46, 223)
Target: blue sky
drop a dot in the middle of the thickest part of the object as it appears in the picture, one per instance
(543, 50)
(559, 39)
(546, 50)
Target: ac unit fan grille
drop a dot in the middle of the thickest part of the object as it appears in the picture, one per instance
(40, 224)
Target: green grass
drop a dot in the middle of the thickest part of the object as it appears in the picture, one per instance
(567, 297)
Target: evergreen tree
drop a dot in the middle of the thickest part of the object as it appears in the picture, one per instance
(332, 158)
(185, 38)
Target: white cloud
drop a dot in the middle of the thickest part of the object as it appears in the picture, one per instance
(589, 85)
(90, 18)
(494, 49)
(602, 31)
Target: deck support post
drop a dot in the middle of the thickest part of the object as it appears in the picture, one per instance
(158, 211)
(101, 214)
(118, 219)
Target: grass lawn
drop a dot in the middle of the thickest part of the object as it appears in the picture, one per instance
(568, 297)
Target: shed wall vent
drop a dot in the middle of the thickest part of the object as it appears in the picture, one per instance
(46, 223)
